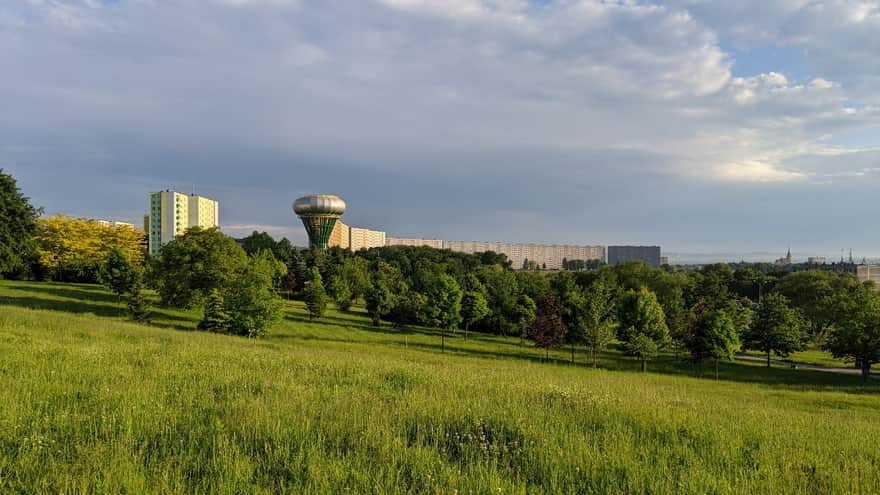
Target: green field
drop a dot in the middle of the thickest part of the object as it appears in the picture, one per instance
(91, 403)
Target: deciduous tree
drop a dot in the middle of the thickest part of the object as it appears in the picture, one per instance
(642, 327)
(776, 327)
(856, 334)
(195, 263)
(17, 226)
(549, 324)
(473, 309)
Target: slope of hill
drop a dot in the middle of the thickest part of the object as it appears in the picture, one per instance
(91, 403)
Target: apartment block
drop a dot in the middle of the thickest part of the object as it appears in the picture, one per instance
(171, 213)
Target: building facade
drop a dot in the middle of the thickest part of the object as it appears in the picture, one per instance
(869, 273)
(355, 238)
(171, 213)
(549, 256)
(405, 241)
(649, 255)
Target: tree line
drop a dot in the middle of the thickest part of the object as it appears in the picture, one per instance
(704, 314)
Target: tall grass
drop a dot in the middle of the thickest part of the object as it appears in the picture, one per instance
(91, 403)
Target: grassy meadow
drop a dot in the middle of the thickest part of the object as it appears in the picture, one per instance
(92, 403)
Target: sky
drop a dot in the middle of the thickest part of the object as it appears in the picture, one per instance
(713, 129)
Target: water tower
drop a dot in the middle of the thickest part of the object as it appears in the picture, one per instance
(319, 213)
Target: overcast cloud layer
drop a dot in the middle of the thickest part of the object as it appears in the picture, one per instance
(724, 127)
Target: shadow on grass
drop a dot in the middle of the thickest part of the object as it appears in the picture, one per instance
(94, 293)
(158, 318)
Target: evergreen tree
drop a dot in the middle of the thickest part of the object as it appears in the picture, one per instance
(473, 309)
(315, 297)
(250, 299)
(138, 305)
(118, 273)
(216, 318)
(17, 226)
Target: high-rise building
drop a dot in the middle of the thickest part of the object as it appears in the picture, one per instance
(649, 255)
(171, 213)
(404, 241)
(550, 256)
(355, 238)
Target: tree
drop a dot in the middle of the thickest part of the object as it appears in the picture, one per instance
(642, 327)
(813, 293)
(340, 291)
(315, 297)
(259, 241)
(549, 325)
(473, 309)
(776, 328)
(216, 318)
(571, 297)
(714, 337)
(524, 311)
(195, 263)
(17, 226)
(75, 249)
(378, 298)
(444, 306)
(284, 250)
(596, 322)
(118, 273)
(138, 305)
(856, 334)
(250, 298)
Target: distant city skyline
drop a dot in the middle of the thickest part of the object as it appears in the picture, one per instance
(712, 128)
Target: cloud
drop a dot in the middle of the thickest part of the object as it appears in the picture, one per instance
(406, 106)
(755, 171)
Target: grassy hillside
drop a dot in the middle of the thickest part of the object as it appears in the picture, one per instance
(91, 403)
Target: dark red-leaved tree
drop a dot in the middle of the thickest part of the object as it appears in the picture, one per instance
(549, 325)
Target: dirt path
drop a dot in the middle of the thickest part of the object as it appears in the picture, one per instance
(791, 364)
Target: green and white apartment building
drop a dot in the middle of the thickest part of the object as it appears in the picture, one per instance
(171, 213)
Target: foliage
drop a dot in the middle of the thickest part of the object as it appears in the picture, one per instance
(74, 249)
(249, 297)
(444, 303)
(340, 292)
(216, 318)
(776, 328)
(714, 337)
(17, 226)
(314, 294)
(549, 330)
(814, 293)
(258, 241)
(138, 305)
(596, 322)
(524, 315)
(642, 327)
(856, 334)
(379, 298)
(195, 263)
(473, 308)
(118, 273)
